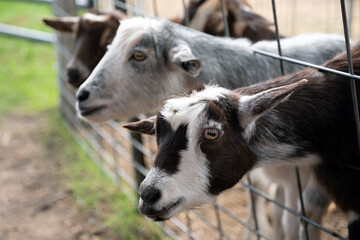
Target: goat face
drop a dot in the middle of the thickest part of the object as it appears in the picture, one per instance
(92, 33)
(138, 63)
(201, 152)
(203, 148)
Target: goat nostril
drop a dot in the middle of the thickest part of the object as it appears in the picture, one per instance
(83, 95)
(150, 195)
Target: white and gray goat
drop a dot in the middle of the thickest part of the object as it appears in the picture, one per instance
(150, 60)
(208, 139)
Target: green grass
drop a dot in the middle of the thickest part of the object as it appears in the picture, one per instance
(28, 76)
(28, 86)
(26, 68)
(22, 14)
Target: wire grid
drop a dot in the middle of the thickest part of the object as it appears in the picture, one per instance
(110, 147)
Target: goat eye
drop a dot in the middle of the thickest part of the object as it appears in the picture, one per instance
(139, 56)
(211, 134)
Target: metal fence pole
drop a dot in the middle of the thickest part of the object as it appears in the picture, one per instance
(224, 16)
(301, 202)
(277, 35)
(253, 207)
(63, 8)
(186, 14)
(137, 156)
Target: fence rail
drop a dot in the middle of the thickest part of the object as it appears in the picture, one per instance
(113, 148)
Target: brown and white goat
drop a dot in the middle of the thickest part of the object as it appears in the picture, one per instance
(206, 16)
(209, 138)
(93, 32)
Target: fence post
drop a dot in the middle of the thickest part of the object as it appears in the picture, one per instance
(63, 8)
(137, 155)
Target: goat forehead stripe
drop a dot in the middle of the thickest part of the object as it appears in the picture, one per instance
(187, 109)
(95, 18)
(139, 24)
(131, 32)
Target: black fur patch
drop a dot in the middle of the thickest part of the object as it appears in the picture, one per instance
(170, 144)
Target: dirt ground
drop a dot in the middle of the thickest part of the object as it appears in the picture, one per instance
(33, 203)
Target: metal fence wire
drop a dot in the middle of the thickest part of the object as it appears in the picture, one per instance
(126, 157)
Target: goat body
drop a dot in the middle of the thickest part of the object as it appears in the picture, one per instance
(304, 118)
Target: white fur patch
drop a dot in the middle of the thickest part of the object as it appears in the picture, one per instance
(187, 109)
(95, 18)
(353, 217)
(189, 183)
(249, 130)
(214, 124)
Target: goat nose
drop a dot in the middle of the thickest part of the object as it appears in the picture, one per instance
(82, 95)
(150, 194)
(73, 74)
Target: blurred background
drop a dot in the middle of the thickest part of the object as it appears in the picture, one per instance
(55, 184)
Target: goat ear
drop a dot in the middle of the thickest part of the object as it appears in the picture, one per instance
(182, 56)
(260, 102)
(62, 24)
(146, 126)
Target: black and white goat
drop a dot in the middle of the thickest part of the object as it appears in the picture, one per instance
(209, 138)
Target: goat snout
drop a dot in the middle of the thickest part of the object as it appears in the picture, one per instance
(82, 95)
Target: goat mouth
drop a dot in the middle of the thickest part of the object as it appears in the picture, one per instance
(88, 111)
(163, 214)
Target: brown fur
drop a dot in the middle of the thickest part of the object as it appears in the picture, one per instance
(206, 16)
(89, 35)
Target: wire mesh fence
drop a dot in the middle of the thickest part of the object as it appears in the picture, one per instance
(126, 157)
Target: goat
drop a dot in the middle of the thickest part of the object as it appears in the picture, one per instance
(93, 32)
(155, 59)
(206, 16)
(208, 139)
